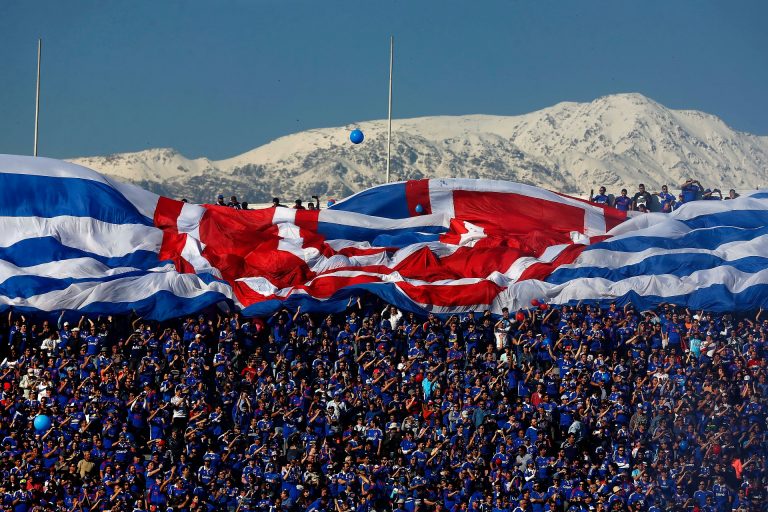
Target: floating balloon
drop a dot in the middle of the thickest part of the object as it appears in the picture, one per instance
(42, 422)
(544, 307)
(418, 378)
(331, 202)
(520, 316)
(356, 136)
(684, 444)
(419, 208)
(259, 325)
(535, 303)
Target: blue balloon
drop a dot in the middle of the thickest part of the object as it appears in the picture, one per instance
(331, 202)
(684, 444)
(356, 136)
(42, 422)
(419, 208)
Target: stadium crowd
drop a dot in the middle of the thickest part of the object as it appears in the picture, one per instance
(548, 409)
(553, 408)
(298, 204)
(663, 201)
(642, 200)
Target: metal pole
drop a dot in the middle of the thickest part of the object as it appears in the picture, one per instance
(37, 92)
(389, 131)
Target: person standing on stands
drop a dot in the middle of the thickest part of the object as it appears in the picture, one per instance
(600, 198)
(709, 195)
(623, 202)
(680, 201)
(691, 190)
(666, 199)
(641, 198)
(297, 205)
(234, 203)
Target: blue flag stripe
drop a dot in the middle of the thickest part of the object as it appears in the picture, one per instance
(715, 298)
(23, 195)
(702, 239)
(400, 237)
(675, 264)
(36, 251)
(393, 204)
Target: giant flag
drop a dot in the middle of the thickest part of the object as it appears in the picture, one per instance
(72, 239)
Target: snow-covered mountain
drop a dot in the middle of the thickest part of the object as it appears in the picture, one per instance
(617, 141)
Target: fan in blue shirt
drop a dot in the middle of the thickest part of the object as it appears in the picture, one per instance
(623, 202)
(600, 198)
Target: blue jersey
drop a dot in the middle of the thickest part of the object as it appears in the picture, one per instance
(94, 343)
(623, 203)
(690, 192)
(667, 200)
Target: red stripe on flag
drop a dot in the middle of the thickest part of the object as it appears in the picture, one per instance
(613, 217)
(518, 214)
(247, 296)
(167, 213)
(244, 244)
(320, 288)
(237, 231)
(357, 251)
(541, 271)
(166, 216)
(482, 292)
(417, 193)
(173, 244)
(475, 261)
(307, 219)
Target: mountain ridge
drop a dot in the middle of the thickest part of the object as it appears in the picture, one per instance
(618, 141)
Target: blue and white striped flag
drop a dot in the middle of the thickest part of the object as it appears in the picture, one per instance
(71, 239)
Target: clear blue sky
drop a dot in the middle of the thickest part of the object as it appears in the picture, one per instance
(217, 78)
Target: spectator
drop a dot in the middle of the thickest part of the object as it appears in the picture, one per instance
(623, 202)
(297, 205)
(220, 201)
(691, 190)
(600, 198)
(573, 407)
(666, 200)
(710, 194)
(641, 198)
(234, 203)
(732, 194)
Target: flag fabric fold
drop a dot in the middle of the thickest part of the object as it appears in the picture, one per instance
(71, 239)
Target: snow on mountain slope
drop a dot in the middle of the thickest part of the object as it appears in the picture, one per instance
(617, 141)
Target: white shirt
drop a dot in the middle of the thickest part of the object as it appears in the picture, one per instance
(50, 344)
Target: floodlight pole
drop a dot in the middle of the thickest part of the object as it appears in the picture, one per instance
(37, 91)
(389, 116)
